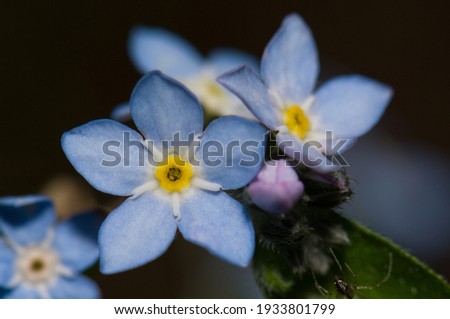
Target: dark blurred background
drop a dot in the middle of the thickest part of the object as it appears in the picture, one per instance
(64, 63)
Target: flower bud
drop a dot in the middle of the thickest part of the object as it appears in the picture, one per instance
(276, 188)
(326, 190)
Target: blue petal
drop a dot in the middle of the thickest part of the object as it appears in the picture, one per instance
(79, 287)
(137, 232)
(21, 292)
(22, 201)
(162, 107)
(121, 112)
(76, 241)
(247, 86)
(350, 105)
(290, 64)
(305, 153)
(109, 155)
(339, 146)
(157, 49)
(232, 151)
(7, 260)
(225, 59)
(26, 219)
(220, 224)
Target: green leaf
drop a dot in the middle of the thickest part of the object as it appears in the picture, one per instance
(370, 266)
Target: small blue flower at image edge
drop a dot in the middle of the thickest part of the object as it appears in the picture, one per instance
(177, 191)
(40, 258)
(282, 98)
(159, 49)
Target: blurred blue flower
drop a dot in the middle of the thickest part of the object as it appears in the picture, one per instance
(347, 106)
(158, 49)
(121, 112)
(181, 189)
(39, 259)
(276, 188)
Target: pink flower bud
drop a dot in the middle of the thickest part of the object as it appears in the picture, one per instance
(276, 188)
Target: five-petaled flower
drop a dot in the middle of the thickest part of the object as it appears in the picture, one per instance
(181, 188)
(42, 259)
(158, 49)
(347, 106)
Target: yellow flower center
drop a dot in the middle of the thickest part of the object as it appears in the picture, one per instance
(37, 265)
(296, 121)
(174, 175)
(213, 88)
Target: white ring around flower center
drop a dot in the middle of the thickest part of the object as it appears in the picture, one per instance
(37, 266)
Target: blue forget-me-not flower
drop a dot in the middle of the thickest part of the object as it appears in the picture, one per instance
(158, 49)
(283, 99)
(42, 259)
(169, 187)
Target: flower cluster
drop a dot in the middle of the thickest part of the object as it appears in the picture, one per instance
(175, 192)
(222, 187)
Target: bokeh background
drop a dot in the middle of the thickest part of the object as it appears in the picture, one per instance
(64, 63)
